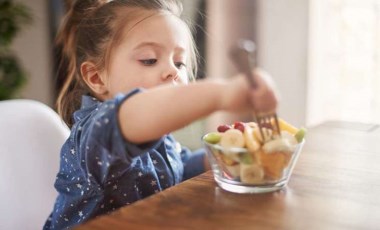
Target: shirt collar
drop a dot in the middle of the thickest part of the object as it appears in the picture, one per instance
(88, 101)
(88, 105)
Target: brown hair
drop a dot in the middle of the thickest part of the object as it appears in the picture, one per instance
(90, 30)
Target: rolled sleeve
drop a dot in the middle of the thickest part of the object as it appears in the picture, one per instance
(193, 162)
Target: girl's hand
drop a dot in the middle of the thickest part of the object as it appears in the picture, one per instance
(239, 96)
(263, 97)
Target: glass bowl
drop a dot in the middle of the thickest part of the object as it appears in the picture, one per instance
(237, 170)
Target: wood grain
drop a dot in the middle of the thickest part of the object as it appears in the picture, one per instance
(335, 185)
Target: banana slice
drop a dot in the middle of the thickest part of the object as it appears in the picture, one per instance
(279, 145)
(251, 173)
(250, 141)
(266, 132)
(232, 138)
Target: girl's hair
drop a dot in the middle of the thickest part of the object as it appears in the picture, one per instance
(90, 31)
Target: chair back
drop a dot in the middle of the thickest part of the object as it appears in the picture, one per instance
(31, 136)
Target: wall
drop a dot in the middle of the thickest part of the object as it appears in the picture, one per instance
(32, 46)
(283, 52)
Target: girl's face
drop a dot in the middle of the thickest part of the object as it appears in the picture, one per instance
(152, 52)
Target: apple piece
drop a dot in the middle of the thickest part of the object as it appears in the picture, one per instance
(250, 141)
(229, 159)
(232, 170)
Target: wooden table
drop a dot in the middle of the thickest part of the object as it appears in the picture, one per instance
(335, 185)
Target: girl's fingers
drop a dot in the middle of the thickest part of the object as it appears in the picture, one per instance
(264, 96)
(264, 101)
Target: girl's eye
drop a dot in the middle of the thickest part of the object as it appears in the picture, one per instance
(179, 65)
(148, 61)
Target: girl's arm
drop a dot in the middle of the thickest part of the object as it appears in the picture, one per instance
(158, 111)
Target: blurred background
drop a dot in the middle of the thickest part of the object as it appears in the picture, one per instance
(324, 55)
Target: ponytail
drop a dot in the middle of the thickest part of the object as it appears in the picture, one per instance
(69, 98)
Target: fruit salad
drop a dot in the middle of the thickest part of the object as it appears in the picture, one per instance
(242, 154)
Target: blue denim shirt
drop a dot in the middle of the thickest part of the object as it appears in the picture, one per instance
(101, 171)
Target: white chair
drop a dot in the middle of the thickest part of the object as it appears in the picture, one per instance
(31, 136)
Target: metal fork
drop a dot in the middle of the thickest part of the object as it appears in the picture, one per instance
(243, 57)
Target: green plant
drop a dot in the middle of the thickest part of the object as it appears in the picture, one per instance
(12, 17)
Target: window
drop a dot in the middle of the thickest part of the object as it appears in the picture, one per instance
(344, 77)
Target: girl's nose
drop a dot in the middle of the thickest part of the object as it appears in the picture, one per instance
(171, 73)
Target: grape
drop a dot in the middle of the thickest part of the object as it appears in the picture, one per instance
(223, 128)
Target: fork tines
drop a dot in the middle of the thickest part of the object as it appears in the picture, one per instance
(268, 126)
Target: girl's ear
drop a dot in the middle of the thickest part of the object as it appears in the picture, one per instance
(93, 79)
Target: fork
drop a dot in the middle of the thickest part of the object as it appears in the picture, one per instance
(243, 57)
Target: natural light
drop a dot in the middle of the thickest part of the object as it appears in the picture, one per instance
(344, 81)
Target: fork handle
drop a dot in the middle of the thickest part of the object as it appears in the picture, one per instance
(243, 56)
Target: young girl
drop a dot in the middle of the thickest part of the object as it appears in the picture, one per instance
(129, 64)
